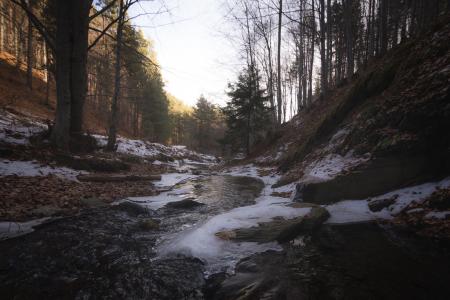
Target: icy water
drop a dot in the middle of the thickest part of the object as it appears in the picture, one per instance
(111, 253)
(119, 253)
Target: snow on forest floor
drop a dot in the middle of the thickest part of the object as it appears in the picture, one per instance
(330, 166)
(10, 230)
(153, 150)
(16, 129)
(33, 168)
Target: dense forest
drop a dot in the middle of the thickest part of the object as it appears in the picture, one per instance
(295, 52)
(119, 81)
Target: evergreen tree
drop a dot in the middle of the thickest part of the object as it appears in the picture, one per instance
(205, 115)
(246, 114)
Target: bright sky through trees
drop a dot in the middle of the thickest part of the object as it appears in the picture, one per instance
(193, 54)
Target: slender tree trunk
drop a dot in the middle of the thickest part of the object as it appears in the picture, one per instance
(383, 36)
(2, 25)
(323, 58)
(30, 52)
(348, 17)
(329, 43)
(61, 131)
(114, 105)
(80, 17)
(311, 66)
(279, 100)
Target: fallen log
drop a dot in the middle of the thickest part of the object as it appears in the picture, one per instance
(117, 178)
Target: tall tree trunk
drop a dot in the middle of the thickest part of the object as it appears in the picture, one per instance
(279, 100)
(323, 58)
(30, 52)
(383, 35)
(311, 66)
(348, 18)
(61, 131)
(2, 25)
(329, 43)
(71, 76)
(113, 122)
(78, 76)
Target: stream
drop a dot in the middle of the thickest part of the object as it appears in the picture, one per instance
(143, 248)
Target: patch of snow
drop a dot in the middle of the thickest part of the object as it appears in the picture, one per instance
(33, 168)
(18, 129)
(330, 166)
(168, 181)
(153, 150)
(171, 179)
(14, 229)
(441, 215)
(414, 210)
(416, 194)
(201, 241)
(220, 255)
(349, 211)
(159, 201)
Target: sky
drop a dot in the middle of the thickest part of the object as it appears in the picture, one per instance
(195, 57)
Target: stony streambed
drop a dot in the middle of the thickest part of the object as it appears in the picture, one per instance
(130, 252)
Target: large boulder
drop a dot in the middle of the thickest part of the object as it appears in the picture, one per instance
(374, 178)
(184, 204)
(379, 204)
(279, 229)
(132, 209)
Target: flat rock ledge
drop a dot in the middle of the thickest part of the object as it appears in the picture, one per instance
(280, 230)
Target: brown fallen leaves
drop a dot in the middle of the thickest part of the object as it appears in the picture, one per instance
(23, 198)
(414, 216)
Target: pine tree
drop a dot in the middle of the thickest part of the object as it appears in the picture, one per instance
(246, 114)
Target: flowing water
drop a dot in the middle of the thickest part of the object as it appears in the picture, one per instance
(143, 249)
(110, 253)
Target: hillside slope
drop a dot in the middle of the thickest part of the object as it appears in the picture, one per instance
(384, 130)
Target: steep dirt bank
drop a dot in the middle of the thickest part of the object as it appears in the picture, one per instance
(385, 129)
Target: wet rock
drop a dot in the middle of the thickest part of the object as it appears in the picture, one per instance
(92, 202)
(184, 204)
(379, 204)
(352, 261)
(45, 211)
(164, 158)
(298, 193)
(132, 209)
(302, 205)
(92, 163)
(279, 230)
(196, 172)
(374, 178)
(213, 283)
(148, 224)
(440, 200)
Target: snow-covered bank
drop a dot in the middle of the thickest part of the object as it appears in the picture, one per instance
(33, 168)
(155, 150)
(349, 211)
(10, 230)
(16, 129)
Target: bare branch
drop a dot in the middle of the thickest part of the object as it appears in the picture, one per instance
(101, 11)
